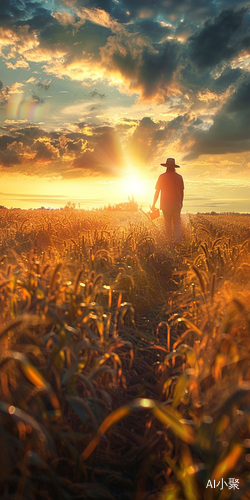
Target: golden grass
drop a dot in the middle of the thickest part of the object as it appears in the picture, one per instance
(124, 366)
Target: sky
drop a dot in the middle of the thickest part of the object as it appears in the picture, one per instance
(96, 94)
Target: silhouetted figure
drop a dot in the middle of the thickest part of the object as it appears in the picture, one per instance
(171, 186)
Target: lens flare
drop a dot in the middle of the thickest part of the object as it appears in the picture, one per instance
(21, 109)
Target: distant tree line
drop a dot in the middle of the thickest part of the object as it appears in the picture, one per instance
(223, 213)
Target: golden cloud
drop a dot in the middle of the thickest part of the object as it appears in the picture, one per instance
(21, 63)
(213, 100)
(7, 37)
(42, 54)
(80, 69)
(25, 43)
(100, 17)
(32, 80)
(16, 88)
(64, 18)
(22, 40)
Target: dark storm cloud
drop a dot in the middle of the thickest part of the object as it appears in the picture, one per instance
(146, 69)
(12, 11)
(240, 100)
(108, 5)
(185, 29)
(228, 77)
(172, 9)
(116, 9)
(223, 4)
(153, 29)
(129, 11)
(49, 30)
(196, 80)
(192, 77)
(230, 132)
(216, 41)
(88, 37)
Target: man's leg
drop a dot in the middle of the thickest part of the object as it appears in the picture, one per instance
(168, 224)
(177, 227)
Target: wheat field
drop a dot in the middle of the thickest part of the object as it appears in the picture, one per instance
(125, 364)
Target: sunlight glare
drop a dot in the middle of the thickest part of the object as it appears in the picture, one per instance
(133, 185)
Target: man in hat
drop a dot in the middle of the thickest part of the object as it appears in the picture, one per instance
(171, 186)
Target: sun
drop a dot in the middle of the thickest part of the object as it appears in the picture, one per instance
(133, 185)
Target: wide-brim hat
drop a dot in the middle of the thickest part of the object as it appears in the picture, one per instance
(170, 163)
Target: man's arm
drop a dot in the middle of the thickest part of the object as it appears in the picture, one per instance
(182, 193)
(157, 191)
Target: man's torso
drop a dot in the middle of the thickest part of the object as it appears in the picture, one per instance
(171, 186)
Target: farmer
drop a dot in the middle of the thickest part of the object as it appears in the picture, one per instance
(171, 186)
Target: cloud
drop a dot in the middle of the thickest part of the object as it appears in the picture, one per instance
(64, 18)
(19, 39)
(99, 16)
(150, 139)
(230, 132)
(227, 77)
(157, 31)
(21, 63)
(145, 69)
(26, 148)
(16, 88)
(44, 151)
(130, 11)
(179, 68)
(240, 100)
(95, 93)
(32, 79)
(93, 42)
(216, 41)
(36, 99)
(143, 143)
(12, 152)
(106, 156)
(45, 85)
(4, 94)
